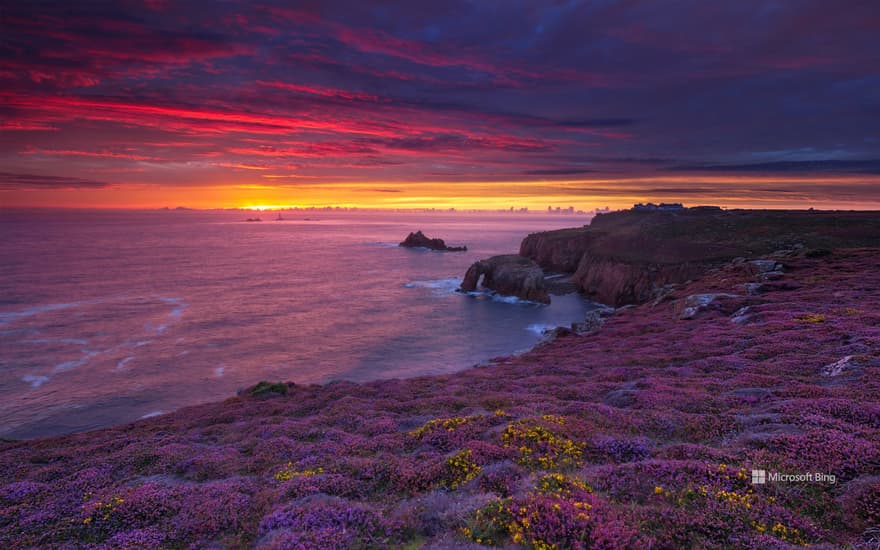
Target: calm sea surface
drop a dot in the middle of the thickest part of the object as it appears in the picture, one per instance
(107, 317)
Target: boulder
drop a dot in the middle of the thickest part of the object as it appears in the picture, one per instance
(756, 267)
(845, 365)
(742, 316)
(420, 240)
(772, 276)
(691, 306)
(509, 275)
(593, 320)
(752, 289)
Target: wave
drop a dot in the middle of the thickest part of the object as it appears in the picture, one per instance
(438, 286)
(7, 317)
(10, 316)
(449, 286)
(35, 380)
(174, 315)
(62, 358)
(72, 364)
(495, 297)
(540, 328)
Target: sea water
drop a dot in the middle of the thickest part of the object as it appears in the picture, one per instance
(111, 316)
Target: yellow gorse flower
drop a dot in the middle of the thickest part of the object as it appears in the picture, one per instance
(448, 424)
(289, 473)
(461, 468)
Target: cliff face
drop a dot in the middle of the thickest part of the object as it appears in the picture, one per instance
(616, 282)
(559, 251)
(627, 257)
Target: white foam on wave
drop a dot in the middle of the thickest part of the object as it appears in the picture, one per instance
(438, 286)
(152, 414)
(514, 300)
(67, 365)
(10, 316)
(540, 328)
(35, 380)
(7, 317)
(507, 299)
(174, 315)
(85, 354)
(495, 297)
(180, 306)
(386, 245)
(218, 372)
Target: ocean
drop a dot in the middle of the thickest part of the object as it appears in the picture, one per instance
(111, 316)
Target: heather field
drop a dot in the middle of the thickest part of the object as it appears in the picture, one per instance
(642, 434)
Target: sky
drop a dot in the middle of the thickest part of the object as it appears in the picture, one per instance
(466, 104)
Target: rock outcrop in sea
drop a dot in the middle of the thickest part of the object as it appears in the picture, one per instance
(509, 275)
(420, 240)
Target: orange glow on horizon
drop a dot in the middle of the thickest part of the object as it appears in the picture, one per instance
(582, 194)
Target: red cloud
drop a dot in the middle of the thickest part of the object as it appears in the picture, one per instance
(106, 154)
(320, 91)
(187, 119)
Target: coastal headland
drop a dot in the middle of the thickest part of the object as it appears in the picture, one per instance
(632, 256)
(743, 354)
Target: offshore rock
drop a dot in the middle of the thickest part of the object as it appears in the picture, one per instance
(419, 240)
(509, 275)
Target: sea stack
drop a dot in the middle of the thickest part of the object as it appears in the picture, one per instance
(509, 275)
(419, 240)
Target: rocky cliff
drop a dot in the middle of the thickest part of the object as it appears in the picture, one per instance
(629, 257)
(559, 251)
(510, 275)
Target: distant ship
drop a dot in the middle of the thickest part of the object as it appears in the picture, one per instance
(279, 218)
(253, 220)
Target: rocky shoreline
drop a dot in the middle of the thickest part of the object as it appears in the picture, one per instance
(640, 430)
(634, 256)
